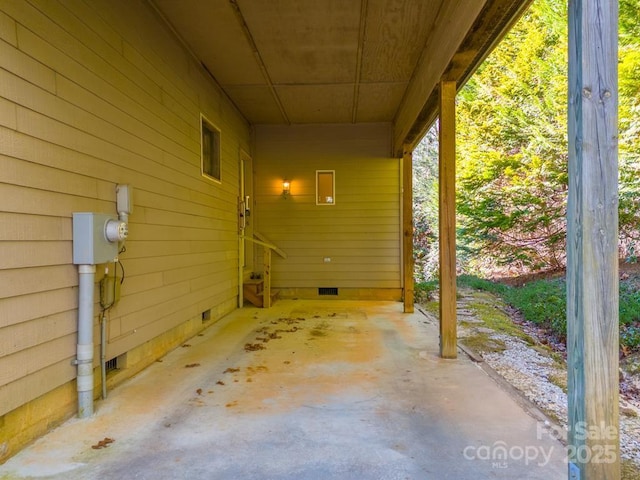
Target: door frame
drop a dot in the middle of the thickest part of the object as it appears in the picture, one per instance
(246, 214)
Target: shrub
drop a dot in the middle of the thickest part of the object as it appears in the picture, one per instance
(543, 302)
(423, 291)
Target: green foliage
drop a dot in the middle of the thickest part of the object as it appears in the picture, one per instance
(629, 121)
(425, 207)
(477, 283)
(630, 336)
(629, 304)
(513, 149)
(512, 144)
(543, 302)
(424, 291)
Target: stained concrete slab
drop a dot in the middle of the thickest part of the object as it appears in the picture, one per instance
(304, 390)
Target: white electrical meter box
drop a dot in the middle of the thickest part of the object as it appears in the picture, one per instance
(96, 237)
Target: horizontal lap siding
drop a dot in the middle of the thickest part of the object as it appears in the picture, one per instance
(93, 94)
(360, 233)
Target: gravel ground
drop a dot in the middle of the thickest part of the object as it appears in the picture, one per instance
(536, 375)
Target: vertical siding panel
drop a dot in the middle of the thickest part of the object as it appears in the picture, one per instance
(360, 233)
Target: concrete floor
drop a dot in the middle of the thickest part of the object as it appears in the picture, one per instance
(341, 390)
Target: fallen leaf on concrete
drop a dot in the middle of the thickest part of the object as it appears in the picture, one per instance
(291, 330)
(199, 391)
(256, 369)
(219, 382)
(102, 443)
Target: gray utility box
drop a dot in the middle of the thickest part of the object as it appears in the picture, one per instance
(90, 244)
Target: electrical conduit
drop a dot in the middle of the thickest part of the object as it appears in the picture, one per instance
(84, 358)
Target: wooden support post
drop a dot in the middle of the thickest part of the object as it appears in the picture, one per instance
(407, 227)
(447, 220)
(592, 241)
(240, 271)
(266, 299)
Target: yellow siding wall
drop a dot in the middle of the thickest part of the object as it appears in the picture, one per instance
(360, 233)
(95, 93)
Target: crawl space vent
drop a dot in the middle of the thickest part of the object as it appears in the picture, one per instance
(328, 291)
(112, 364)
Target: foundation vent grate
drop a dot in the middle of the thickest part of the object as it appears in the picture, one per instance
(328, 291)
(112, 364)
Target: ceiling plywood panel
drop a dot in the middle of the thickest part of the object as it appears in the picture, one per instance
(257, 103)
(379, 102)
(212, 31)
(308, 52)
(396, 33)
(317, 103)
(305, 41)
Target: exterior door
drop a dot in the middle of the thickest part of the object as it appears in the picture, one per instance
(245, 221)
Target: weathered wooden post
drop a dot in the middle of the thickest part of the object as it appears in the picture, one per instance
(407, 227)
(592, 241)
(447, 220)
(266, 292)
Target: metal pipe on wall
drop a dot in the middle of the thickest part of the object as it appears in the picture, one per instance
(84, 358)
(103, 353)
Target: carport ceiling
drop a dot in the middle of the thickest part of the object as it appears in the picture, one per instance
(338, 61)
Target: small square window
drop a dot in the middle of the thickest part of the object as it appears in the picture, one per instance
(210, 150)
(325, 187)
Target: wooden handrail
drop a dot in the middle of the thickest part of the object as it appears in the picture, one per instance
(259, 242)
(268, 247)
(273, 247)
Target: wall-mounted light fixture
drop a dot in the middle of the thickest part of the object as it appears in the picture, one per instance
(286, 188)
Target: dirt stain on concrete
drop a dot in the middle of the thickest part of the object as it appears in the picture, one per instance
(339, 358)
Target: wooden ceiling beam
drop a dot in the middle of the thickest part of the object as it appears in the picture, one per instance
(454, 19)
(493, 22)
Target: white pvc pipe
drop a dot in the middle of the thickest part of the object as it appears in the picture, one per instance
(103, 354)
(84, 358)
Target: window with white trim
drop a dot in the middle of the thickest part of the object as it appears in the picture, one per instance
(325, 187)
(210, 136)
